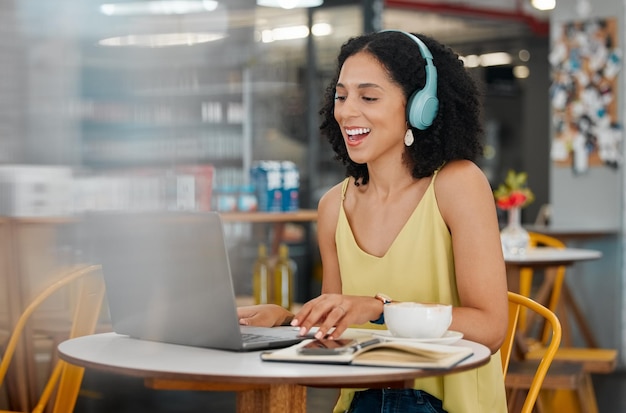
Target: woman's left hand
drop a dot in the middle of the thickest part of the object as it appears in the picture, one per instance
(263, 315)
(335, 310)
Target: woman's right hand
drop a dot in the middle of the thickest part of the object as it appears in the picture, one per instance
(264, 315)
(335, 312)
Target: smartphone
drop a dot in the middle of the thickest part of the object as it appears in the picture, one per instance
(328, 347)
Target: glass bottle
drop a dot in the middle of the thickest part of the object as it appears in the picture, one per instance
(261, 277)
(283, 278)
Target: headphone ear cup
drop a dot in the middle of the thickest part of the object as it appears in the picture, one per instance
(423, 105)
(422, 108)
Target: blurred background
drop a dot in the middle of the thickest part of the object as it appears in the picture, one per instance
(175, 105)
(136, 87)
(171, 104)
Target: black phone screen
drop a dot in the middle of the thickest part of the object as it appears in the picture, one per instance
(329, 347)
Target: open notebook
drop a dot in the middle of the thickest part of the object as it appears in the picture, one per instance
(168, 279)
(379, 352)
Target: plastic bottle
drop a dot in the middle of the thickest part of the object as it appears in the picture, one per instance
(261, 277)
(283, 278)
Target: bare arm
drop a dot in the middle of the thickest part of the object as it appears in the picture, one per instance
(331, 308)
(327, 216)
(467, 206)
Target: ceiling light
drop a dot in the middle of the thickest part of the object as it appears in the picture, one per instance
(289, 4)
(161, 40)
(487, 59)
(543, 4)
(470, 61)
(521, 72)
(495, 59)
(284, 33)
(295, 32)
(524, 55)
(158, 7)
(322, 29)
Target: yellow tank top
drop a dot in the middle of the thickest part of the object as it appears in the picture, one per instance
(419, 266)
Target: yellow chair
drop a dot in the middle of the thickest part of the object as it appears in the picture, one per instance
(85, 317)
(517, 305)
(551, 287)
(573, 366)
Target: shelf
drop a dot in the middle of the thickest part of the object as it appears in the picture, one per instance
(39, 220)
(121, 165)
(303, 215)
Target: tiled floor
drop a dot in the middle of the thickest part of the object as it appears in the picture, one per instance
(103, 393)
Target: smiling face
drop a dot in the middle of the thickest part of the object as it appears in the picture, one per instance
(370, 110)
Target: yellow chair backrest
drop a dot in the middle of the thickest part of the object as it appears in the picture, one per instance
(517, 303)
(526, 276)
(85, 318)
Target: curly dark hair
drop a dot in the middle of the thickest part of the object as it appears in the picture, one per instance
(456, 130)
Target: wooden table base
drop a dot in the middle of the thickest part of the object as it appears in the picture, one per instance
(276, 399)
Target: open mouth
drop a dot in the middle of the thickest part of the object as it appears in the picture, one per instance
(356, 135)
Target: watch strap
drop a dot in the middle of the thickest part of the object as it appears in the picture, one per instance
(385, 300)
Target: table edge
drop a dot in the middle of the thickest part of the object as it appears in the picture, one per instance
(525, 260)
(335, 380)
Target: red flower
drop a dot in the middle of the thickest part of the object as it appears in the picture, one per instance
(513, 193)
(517, 198)
(504, 203)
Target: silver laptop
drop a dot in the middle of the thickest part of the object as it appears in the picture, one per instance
(168, 279)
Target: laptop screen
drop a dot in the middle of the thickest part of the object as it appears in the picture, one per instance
(167, 276)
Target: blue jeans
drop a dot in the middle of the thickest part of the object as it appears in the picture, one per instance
(395, 401)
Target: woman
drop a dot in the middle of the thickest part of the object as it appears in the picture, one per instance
(415, 218)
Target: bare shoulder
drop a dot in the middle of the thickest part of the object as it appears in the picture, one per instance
(462, 184)
(460, 170)
(460, 176)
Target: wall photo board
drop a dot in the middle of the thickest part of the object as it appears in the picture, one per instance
(585, 62)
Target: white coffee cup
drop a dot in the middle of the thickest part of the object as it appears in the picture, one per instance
(417, 320)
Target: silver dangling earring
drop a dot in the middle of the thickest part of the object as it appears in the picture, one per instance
(408, 137)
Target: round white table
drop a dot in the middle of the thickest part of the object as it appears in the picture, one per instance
(546, 257)
(262, 386)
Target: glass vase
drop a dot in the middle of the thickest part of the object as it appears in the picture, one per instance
(514, 237)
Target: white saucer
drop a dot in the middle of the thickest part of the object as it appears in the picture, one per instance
(450, 337)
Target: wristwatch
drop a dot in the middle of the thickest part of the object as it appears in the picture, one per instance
(385, 300)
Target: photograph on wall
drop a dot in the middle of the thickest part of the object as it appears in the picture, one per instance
(585, 61)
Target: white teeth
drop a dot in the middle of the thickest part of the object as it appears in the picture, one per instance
(359, 131)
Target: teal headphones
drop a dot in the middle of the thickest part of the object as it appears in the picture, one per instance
(422, 105)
